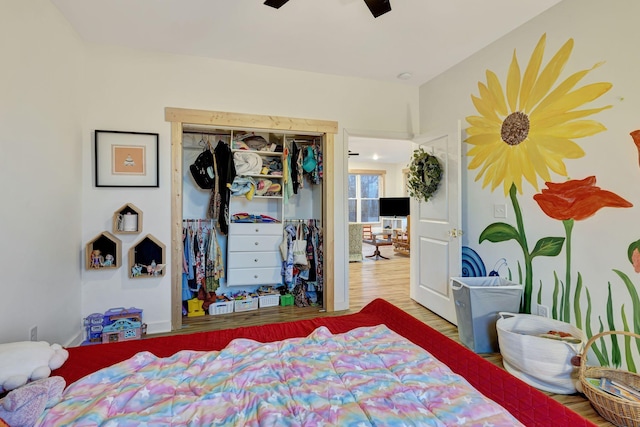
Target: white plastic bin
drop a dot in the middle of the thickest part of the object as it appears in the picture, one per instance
(478, 301)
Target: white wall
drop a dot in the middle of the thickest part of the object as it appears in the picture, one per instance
(128, 90)
(40, 179)
(602, 32)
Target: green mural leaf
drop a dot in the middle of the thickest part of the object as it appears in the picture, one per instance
(589, 332)
(548, 246)
(556, 286)
(576, 302)
(628, 354)
(499, 232)
(635, 301)
(615, 348)
(605, 351)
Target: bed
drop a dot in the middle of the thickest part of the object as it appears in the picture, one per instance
(380, 339)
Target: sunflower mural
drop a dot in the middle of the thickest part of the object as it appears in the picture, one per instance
(524, 132)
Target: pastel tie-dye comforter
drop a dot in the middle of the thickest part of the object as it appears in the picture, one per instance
(367, 376)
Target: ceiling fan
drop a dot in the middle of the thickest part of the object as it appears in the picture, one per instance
(351, 153)
(377, 7)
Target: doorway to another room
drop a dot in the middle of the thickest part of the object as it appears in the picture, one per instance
(378, 209)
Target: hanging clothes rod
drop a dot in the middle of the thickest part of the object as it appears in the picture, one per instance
(193, 132)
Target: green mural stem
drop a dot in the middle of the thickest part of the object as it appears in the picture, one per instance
(528, 268)
(568, 228)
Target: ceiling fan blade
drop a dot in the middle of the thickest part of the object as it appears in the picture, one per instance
(378, 7)
(275, 3)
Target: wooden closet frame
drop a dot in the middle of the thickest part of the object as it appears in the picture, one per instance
(178, 117)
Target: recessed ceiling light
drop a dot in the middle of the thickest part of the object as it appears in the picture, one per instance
(404, 76)
(375, 157)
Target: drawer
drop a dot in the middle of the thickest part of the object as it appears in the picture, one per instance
(253, 276)
(255, 229)
(241, 243)
(255, 260)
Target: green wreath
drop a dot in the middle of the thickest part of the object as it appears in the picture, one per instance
(425, 174)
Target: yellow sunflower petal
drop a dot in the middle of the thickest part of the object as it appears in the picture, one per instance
(549, 75)
(549, 119)
(483, 155)
(528, 171)
(578, 97)
(556, 164)
(514, 167)
(483, 122)
(576, 129)
(563, 147)
(536, 158)
(531, 72)
(513, 82)
(484, 139)
(496, 93)
(562, 89)
(484, 108)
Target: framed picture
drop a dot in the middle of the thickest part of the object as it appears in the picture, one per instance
(126, 159)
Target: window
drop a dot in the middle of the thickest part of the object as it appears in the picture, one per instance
(364, 190)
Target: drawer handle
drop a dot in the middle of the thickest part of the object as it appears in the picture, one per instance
(256, 243)
(257, 230)
(255, 260)
(255, 277)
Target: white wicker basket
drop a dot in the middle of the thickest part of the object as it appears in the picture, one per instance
(222, 307)
(246, 304)
(269, 300)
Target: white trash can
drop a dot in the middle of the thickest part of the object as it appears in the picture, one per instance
(478, 301)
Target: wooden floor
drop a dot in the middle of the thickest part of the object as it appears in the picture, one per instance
(368, 280)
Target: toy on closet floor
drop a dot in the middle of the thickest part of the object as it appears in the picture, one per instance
(116, 324)
(23, 406)
(24, 361)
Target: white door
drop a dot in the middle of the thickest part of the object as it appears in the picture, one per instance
(436, 247)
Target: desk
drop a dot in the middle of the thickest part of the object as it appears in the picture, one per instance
(384, 241)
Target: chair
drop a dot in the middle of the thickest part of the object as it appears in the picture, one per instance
(355, 242)
(401, 239)
(371, 238)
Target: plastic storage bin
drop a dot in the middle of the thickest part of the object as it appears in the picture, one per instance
(269, 300)
(246, 304)
(286, 300)
(221, 307)
(478, 301)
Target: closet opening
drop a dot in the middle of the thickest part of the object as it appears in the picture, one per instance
(238, 211)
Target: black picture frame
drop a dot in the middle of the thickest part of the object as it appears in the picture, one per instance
(126, 159)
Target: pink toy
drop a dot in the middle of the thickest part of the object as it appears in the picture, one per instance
(23, 406)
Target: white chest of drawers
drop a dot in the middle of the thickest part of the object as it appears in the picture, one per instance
(253, 254)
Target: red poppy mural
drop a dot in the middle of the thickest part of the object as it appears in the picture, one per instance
(577, 199)
(570, 201)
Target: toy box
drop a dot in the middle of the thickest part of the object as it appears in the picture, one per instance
(116, 324)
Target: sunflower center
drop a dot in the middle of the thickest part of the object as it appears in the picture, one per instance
(515, 128)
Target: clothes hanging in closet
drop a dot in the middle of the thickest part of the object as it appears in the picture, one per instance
(310, 276)
(225, 174)
(202, 258)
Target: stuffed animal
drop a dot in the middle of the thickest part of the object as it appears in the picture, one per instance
(23, 406)
(26, 361)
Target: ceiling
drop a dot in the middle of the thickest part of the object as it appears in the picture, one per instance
(420, 37)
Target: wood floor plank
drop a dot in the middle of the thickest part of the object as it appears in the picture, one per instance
(368, 280)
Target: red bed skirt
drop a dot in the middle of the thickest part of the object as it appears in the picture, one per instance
(529, 405)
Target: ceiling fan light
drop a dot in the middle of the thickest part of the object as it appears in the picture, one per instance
(378, 7)
(275, 3)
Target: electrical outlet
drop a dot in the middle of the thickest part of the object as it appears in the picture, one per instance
(500, 210)
(543, 310)
(33, 333)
